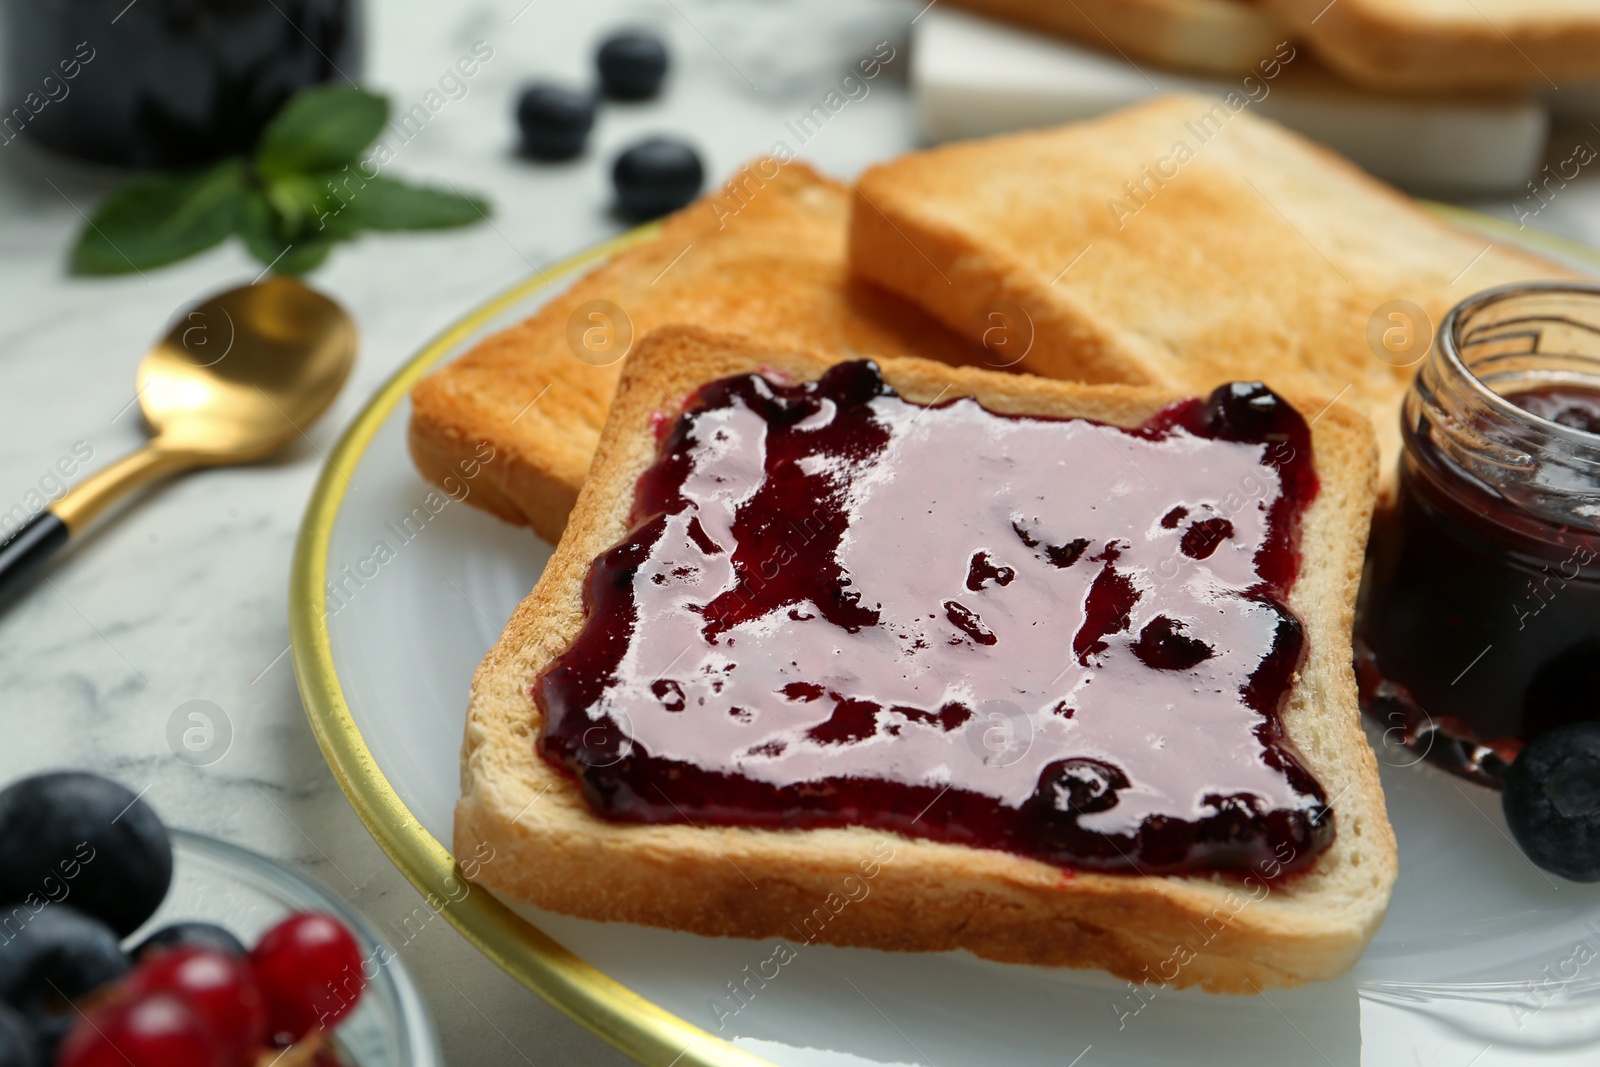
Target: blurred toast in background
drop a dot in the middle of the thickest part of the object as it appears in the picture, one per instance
(1443, 45)
(1215, 36)
(1399, 45)
(973, 76)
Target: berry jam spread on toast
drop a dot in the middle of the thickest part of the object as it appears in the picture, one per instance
(1057, 637)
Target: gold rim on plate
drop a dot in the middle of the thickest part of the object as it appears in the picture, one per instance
(636, 1026)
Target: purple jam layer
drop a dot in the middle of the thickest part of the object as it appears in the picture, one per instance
(1056, 637)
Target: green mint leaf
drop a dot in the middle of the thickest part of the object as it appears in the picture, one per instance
(320, 202)
(304, 256)
(285, 249)
(320, 129)
(161, 219)
(385, 204)
(258, 227)
(298, 200)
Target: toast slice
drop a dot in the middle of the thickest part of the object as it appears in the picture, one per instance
(1212, 36)
(1179, 242)
(1451, 45)
(552, 851)
(763, 257)
(973, 77)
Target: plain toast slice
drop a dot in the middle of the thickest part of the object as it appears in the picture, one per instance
(763, 257)
(554, 852)
(1180, 242)
(1213, 36)
(1451, 45)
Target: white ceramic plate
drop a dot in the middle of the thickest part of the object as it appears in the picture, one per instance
(1483, 959)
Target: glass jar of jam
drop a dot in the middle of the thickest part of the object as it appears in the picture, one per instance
(165, 83)
(1479, 626)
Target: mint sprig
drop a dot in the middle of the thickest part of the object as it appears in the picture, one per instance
(320, 129)
(160, 219)
(305, 189)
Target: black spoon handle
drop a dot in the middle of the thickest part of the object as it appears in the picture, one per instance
(25, 552)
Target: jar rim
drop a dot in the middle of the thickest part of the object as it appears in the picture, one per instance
(1447, 345)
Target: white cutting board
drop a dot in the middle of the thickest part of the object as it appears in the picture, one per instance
(973, 76)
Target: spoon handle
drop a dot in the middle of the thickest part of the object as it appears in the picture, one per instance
(25, 551)
(110, 484)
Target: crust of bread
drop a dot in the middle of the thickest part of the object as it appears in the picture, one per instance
(553, 852)
(1440, 45)
(1259, 256)
(1213, 36)
(763, 257)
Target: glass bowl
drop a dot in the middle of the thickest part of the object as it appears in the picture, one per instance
(247, 893)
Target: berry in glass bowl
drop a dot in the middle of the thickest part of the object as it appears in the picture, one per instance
(182, 986)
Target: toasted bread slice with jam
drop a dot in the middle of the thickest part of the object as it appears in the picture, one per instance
(1181, 242)
(763, 257)
(555, 852)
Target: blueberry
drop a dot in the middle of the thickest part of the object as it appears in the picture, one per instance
(1248, 411)
(555, 121)
(1552, 801)
(191, 935)
(656, 176)
(632, 65)
(69, 835)
(16, 1040)
(51, 957)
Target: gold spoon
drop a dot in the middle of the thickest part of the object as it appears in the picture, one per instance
(237, 378)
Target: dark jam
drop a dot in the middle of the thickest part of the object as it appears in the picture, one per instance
(1480, 623)
(1571, 406)
(1055, 637)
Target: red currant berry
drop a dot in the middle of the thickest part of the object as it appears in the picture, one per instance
(153, 1031)
(219, 988)
(309, 968)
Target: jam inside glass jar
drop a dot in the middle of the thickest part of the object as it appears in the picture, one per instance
(1479, 626)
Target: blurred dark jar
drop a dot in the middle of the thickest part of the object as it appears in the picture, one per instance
(1479, 627)
(165, 83)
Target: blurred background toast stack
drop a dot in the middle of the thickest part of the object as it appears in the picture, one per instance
(1452, 97)
(1209, 36)
(1450, 45)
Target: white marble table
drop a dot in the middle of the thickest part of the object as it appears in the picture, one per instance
(182, 595)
